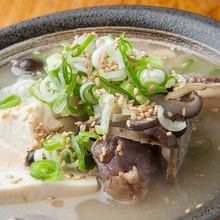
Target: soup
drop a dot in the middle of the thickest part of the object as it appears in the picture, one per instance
(171, 185)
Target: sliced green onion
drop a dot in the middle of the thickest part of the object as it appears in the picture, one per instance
(58, 105)
(117, 75)
(10, 101)
(154, 88)
(85, 136)
(54, 61)
(126, 86)
(67, 71)
(131, 72)
(89, 110)
(114, 88)
(80, 153)
(46, 170)
(86, 93)
(80, 48)
(67, 155)
(75, 110)
(107, 101)
(154, 75)
(156, 62)
(35, 91)
(53, 143)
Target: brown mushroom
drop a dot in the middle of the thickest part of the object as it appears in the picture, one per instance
(140, 125)
(189, 106)
(26, 66)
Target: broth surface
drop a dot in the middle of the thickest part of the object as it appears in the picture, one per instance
(198, 180)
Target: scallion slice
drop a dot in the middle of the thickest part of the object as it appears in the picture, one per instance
(113, 88)
(10, 101)
(80, 48)
(80, 153)
(46, 170)
(53, 143)
(86, 93)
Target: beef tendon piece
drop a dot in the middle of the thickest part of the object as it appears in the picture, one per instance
(125, 167)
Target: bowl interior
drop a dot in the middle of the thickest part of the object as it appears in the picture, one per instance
(143, 35)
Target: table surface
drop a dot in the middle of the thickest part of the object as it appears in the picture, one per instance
(13, 11)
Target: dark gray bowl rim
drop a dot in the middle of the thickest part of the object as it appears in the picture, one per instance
(194, 26)
(199, 28)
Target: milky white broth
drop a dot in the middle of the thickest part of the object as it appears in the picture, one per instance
(198, 180)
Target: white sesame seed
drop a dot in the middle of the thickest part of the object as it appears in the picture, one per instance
(184, 111)
(187, 211)
(169, 133)
(128, 123)
(198, 206)
(170, 114)
(97, 81)
(151, 88)
(120, 99)
(149, 66)
(136, 91)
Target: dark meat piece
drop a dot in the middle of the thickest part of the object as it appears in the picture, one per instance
(125, 167)
(26, 66)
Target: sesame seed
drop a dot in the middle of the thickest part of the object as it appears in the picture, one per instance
(82, 127)
(68, 140)
(151, 88)
(149, 66)
(78, 78)
(170, 114)
(184, 111)
(169, 133)
(147, 114)
(192, 80)
(173, 71)
(136, 91)
(120, 173)
(187, 211)
(119, 147)
(120, 153)
(97, 81)
(120, 99)
(63, 163)
(149, 119)
(214, 109)
(198, 206)
(104, 137)
(139, 98)
(62, 142)
(133, 116)
(93, 124)
(128, 123)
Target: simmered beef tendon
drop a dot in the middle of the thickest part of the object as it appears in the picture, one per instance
(125, 167)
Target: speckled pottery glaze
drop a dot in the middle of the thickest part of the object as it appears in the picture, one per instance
(184, 29)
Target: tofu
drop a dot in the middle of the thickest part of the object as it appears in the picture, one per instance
(24, 126)
(21, 128)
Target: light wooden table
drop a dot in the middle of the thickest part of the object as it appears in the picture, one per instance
(13, 11)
